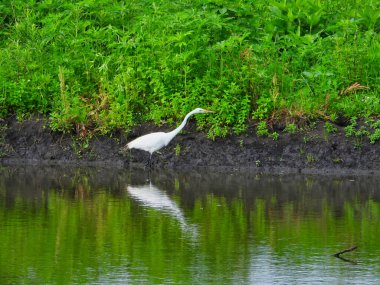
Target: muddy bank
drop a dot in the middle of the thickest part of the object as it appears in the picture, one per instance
(314, 151)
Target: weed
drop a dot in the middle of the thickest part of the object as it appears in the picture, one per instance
(337, 160)
(177, 150)
(275, 136)
(262, 129)
(329, 128)
(4, 147)
(374, 126)
(310, 158)
(98, 64)
(350, 130)
(291, 128)
(312, 125)
(370, 129)
(80, 146)
(358, 143)
(375, 136)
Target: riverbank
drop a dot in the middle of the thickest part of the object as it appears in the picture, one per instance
(311, 151)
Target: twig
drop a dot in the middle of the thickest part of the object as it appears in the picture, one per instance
(344, 251)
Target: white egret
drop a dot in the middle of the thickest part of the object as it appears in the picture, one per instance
(155, 141)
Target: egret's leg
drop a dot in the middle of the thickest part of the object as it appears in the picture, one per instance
(149, 163)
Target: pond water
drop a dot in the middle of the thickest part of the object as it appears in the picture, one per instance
(107, 226)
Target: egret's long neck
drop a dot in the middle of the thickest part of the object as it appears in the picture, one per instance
(173, 133)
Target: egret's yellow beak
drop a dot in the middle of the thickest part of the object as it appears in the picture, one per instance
(209, 111)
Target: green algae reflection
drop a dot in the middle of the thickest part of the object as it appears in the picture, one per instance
(99, 226)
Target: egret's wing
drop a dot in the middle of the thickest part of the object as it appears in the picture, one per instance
(150, 142)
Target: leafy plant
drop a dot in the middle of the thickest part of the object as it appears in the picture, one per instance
(350, 130)
(329, 127)
(177, 150)
(291, 128)
(310, 158)
(374, 126)
(110, 65)
(262, 129)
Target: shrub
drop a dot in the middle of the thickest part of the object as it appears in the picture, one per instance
(112, 64)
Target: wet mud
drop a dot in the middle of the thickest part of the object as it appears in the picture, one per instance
(314, 151)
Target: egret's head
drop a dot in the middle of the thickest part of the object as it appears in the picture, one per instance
(200, 110)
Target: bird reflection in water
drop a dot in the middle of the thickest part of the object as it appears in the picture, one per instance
(152, 197)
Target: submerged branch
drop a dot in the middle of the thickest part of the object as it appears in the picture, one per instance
(344, 251)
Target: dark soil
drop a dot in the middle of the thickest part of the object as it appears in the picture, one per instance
(313, 151)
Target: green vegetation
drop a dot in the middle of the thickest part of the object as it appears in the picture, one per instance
(291, 128)
(5, 148)
(310, 158)
(177, 150)
(97, 66)
(329, 127)
(370, 128)
(275, 136)
(262, 129)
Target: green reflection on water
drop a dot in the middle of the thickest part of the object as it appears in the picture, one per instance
(65, 226)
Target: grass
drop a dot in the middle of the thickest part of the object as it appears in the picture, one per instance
(105, 65)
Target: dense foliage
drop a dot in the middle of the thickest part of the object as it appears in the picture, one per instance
(110, 64)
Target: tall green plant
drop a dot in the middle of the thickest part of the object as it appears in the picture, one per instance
(125, 63)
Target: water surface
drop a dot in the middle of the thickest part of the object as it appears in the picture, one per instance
(107, 226)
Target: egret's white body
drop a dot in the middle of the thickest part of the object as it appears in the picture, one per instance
(151, 142)
(155, 141)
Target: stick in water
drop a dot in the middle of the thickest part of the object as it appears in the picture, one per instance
(344, 251)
